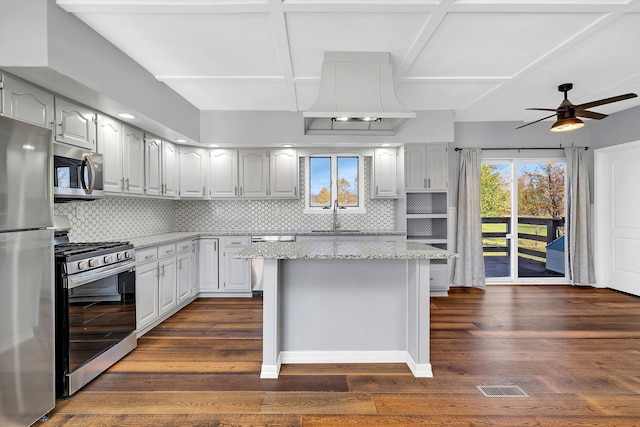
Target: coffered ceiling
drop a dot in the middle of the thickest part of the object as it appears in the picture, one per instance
(488, 60)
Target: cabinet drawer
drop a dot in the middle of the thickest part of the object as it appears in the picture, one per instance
(236, 242)
(166, 250)
(182, 247)
(145, 255)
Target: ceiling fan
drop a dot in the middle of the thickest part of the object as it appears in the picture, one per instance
(568, 113)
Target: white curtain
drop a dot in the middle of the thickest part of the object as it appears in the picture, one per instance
(469, 269)
(580, 246)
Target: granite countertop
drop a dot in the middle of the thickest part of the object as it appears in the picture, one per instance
(343, 250)
(141, 242)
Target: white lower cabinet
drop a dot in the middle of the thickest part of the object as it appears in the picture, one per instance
(208, 271)
(163, 282)
(235, 274)
(218, 271)
(167, 285)
(146, 294)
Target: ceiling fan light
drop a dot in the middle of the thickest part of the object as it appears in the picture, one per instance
(567, 124)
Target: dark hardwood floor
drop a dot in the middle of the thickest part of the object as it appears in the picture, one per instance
(574, 351)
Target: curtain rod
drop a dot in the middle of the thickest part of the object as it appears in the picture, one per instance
(522, 148)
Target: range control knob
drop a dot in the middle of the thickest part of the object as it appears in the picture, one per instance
(107, 259)
(82, 265)
(92, 262)
(127, 254)
(119, 256)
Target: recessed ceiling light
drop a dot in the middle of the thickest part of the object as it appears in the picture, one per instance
(386, 144)
(181, 140)
(126, 116)
(287, 145)
(214, 145)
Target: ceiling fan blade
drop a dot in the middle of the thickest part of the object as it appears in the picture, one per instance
(605, 101)
(544, 118)
(590, 114)
(543, 109)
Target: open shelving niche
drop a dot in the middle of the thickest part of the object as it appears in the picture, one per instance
(427, 221)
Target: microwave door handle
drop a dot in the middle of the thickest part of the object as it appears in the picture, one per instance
(92, 174)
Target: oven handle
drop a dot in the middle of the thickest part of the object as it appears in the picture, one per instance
(91, 276)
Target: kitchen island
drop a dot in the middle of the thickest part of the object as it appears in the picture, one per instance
(345, 302)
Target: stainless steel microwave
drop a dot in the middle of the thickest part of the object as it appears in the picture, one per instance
(77, 174)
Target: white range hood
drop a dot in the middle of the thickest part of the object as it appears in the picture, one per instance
(357, 97)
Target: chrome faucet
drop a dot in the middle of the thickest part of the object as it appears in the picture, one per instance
(335, 215)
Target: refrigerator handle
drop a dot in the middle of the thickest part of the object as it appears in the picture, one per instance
(92, 174)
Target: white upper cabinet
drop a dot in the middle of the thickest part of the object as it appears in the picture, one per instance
(110, 145)
(169, 169)
(223, 173)
(426, 167)
(283, 173)
(437, 167)
(416, 167)
(253, 172)
(193, 162)
(385, 181)
(133, 159)
(123, 149)
(75, 124)
(22, 101)
(160, 165)
(152, 165)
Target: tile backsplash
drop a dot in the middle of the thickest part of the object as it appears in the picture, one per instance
(114, 218)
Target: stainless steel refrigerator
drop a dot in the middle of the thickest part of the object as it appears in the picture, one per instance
(27, 390)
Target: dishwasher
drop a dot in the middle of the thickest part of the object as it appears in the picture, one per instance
(257, 265)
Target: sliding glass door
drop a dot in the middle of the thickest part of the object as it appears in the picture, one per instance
(523, 212)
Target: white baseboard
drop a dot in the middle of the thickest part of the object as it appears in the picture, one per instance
(419, 370)
(343, 356)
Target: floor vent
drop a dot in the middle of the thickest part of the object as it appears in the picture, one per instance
(502, 391)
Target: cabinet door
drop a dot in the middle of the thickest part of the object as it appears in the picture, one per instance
(110, 145)
(76, 125)
(133, 159)
(437, 167)
(416, 167)
(236, 273)
(21, 101)
(385, 168)
(169, 169)
(253, 173)
(192, 172)
(193, 277)
(167, 285)
(224, 173)
(152, 164)
(146, 294)
(184, 277)
(208, 265)
(283, 173)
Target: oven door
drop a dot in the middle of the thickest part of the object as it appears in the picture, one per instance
(97, 311)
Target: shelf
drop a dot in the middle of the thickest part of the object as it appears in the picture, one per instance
(433, 241)
(426, 203)
(426, 216)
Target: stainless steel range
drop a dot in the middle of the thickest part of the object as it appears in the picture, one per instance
(95, 309)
